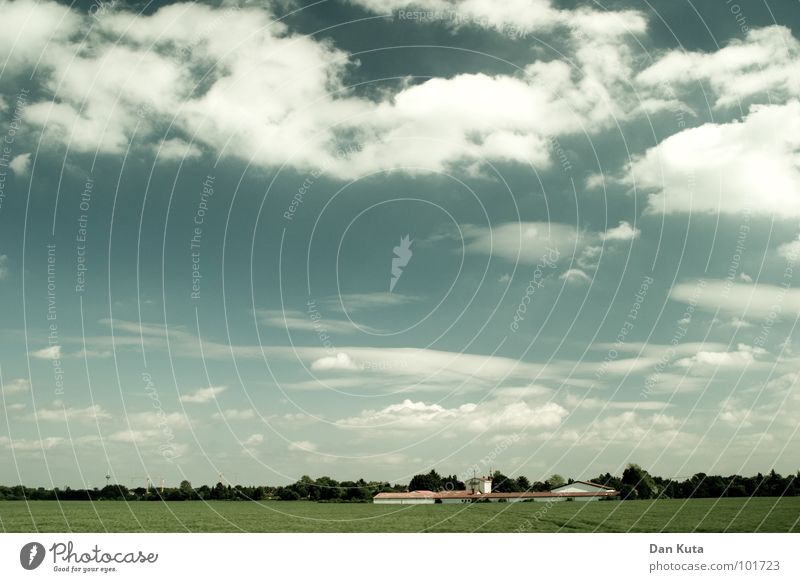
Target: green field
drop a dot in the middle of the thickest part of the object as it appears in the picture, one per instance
(763, 514)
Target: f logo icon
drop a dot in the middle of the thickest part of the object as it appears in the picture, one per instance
(31, 555)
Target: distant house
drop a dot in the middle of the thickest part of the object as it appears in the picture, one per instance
(480, 489)
(479, 484)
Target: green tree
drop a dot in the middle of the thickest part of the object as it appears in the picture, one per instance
(556, 480)
(430, 482)
(641, 481)
(286, 494)
(186, 489)
(219, 491)
(503, 484)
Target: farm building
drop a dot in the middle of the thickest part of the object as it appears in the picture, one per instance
(480, 489)
(479, 485)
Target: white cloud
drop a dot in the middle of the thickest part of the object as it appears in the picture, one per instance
(514, 17)
(790, 251)
(340, 361)
(178, 149)
(254, 439)
(50, 353)
(591, 403)
(730, 168)
(135, 436)
(575, 277)
(203, 395)
(764, 62)
(99, 354)
(473, 417)
(543, 243)
(590, 257)
(631, 428)
(526, 242)
(669, 383)
(32, 445)
(742, 357)
(273, 97)
(158, 419)
(21, 164)
(743, 300)
(624, 231)
(436, 367)
(299, 321)
(740, 323)
(156, 428)
(305, 446)
(16, 386)
(234, 414)
(353, 302)
(31, 27)
(61, 413)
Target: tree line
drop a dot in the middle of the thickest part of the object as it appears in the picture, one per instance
(634, 483)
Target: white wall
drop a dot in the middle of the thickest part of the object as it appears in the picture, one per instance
(421, 501)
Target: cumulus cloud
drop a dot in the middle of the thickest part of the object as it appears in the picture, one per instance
(35, 26)
(273, 97)
(743, 356)
(590, 257)
(20, 164)
(575, 277)
(513, 17)
(254, 439)
(765, 61)
(728, 168)
(203, 395)
(474, 417)
(16, 386)
(340, 361)
(49, 353)
(790, 251)
(624, 231)
(178, 149)
(630, 427)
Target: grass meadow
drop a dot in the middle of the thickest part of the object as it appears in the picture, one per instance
(761, 514)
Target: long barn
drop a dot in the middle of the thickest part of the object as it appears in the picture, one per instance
(480, 489)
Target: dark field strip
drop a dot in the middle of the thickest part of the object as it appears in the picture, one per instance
(763, 514)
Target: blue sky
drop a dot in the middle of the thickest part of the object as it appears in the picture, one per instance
(200, 205)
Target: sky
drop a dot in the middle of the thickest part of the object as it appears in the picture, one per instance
(251, 241)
